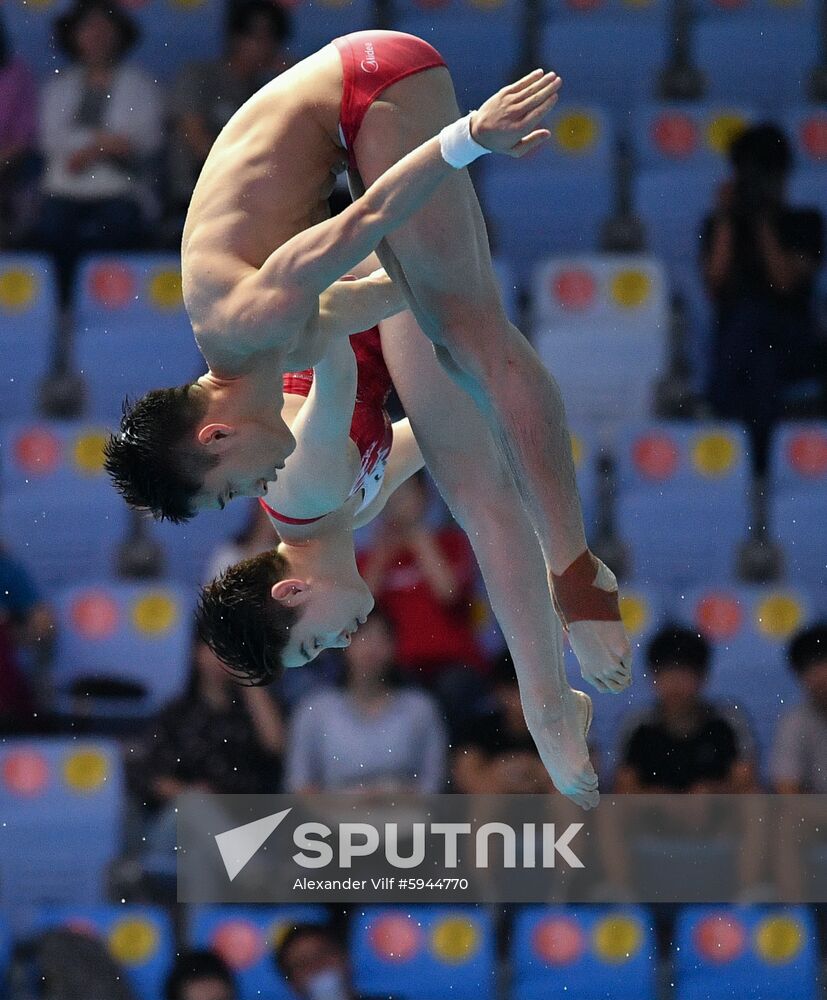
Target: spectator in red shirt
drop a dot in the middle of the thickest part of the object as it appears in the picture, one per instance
(423, 579)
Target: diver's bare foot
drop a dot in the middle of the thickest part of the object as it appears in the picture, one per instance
(602, 647)
(561, 743)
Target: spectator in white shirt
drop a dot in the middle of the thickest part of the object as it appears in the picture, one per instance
(100, 127)
(370, 735)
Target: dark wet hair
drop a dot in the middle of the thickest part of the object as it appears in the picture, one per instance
(150, 463)
(762, 147)
(242, 624)
(127, 27)
(808, 647)
(674, 646)
(194, 966)
(242, 15)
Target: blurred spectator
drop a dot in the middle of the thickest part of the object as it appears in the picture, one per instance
(256, 536)
(207, 94)
(799, 757)
(684, 743)
(18, 128)
(200, 975)
(100, 127)
(26, 642)
(496, 753)
(760, 258)
(423, 579)
(370, 735)
(218, 737)
(313, 960)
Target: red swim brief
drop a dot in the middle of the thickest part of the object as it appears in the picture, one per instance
(371, 62)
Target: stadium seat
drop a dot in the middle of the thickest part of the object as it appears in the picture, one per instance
(758, 953)
(246, 937)
(174, 31)
(436, 951)
(30, 30)
(634, 11)
(585, 448)
(316, 24)
(509, 288)
(28, 324)
(583, 953)
(683, 500)
(733, 10)
(808, 189)
(798, 500)
(139, 938)
(732, 51)
(610, 61)
(601, 325)
(687, 134)
(58, 512)
(672, 203)
(806, 128)
(138, 633)
(189, 547)
(687, 285)
(131, 329)
(749, 629)
(555, 201)
(460, 34)
(61, 801)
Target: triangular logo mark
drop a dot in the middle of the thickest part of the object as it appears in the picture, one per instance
(237, 846)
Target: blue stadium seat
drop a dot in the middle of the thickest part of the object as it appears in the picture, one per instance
(585, 447)
(189, 547)
(749, 628)
(683, 500)
(461, 36)
(734, 10)
(601, 325)
(62, 802)
(316, 24)
(436, 951)
(687, 135)
(30, 29)
(672, 203)
(798, 500)
(808, 189)
(134, 632)
(732, 51)
(759, 953)
(555, 201)
(131, 329)
(246, 937)
(634, 11)
(139, 938)
(173, 31)
(806, 128)
(609, 61)
(28, 323)
(58, 511)
(509, 288)
(583, 953)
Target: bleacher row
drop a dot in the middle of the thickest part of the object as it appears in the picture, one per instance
(581, 952)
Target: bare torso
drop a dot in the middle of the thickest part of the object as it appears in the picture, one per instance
(268, 177)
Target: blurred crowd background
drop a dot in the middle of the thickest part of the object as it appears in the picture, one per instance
(663, 252)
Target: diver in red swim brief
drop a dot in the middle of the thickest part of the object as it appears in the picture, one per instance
(372, 61)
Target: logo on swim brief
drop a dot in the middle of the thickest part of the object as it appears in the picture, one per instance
(369, 63)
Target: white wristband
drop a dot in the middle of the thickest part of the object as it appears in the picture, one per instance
(458, 146)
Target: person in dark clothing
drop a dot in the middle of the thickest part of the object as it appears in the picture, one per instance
(760, 257)
(494, 751)
(684, 743)
(313, 960)
(218, 737)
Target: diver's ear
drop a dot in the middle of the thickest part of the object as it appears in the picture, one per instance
(214, 432)
(291, 593)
